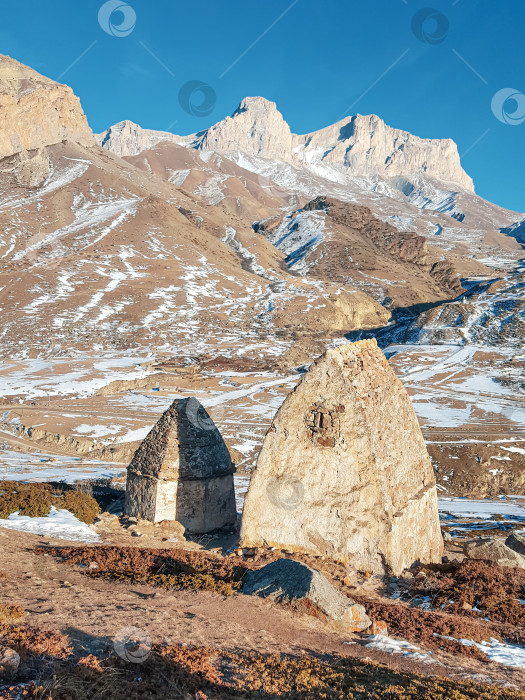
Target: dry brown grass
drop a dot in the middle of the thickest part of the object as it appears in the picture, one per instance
(457, 587)
(50, 671)
(199, 673)
(175, 569)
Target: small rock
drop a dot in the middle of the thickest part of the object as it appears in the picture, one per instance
(173, 527)
(379, 627)
(136, 533)
(106, 519)
(495, 551)
(9, 661)
(447, 537)
(516, 542)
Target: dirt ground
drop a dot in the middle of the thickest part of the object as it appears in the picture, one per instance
(92, 612)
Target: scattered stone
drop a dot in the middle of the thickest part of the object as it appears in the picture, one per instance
(295, 583)
(516, 542)
(493, 550)
(9, 661)
(183, 471)
(344, 471)
(136, 533)
(106, 519)
(173, 527)
(447, 537)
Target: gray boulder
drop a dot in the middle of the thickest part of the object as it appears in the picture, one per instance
(495, 551)
(295, 583)
(516, 542)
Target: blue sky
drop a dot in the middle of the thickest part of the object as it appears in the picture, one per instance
(318, 61)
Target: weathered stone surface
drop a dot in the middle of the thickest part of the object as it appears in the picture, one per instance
(129, 139)
(344, 472)
(493, 550)
(36, 112)
(379, 627)
(295, 583)
(182, 471)
(516, 542)
(9, 661)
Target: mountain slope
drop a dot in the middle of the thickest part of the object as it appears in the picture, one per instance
(141, 249)
(415, 184)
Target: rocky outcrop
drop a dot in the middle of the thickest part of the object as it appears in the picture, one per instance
(255, 128)
(129, 139)
(344, 472)
(182, 471)
(296, 584)
(360, 145)
(496, 551)
(36, 112)
(365, 145)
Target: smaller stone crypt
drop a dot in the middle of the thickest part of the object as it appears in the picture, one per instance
(183, 471)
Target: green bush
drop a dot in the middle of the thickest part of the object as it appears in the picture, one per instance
(35, 501)
(82, 506)
(29, 499)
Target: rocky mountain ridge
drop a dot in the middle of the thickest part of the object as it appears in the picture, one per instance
(357, 146)
(101, 246)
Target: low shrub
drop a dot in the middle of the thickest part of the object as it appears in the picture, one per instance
(29, 499)
(171, 569)
(11, 613)
(38, 648)
(83, 506)
(458, 587)
(35, 500)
